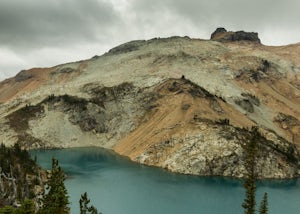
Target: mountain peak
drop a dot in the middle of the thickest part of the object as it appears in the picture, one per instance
(132, 100)
(222, 35)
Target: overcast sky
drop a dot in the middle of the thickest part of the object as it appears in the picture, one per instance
(41, 33)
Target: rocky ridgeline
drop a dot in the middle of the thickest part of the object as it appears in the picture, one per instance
(137, 100)
(222, 35)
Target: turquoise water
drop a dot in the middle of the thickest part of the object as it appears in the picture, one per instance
(118, 186)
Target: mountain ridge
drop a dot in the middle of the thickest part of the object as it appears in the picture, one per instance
(143, 88)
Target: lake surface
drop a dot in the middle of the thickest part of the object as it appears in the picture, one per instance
(115, 185)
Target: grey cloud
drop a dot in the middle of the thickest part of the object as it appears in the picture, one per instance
(76, 29)
(34, 23)
(258, 15)
(157, 18)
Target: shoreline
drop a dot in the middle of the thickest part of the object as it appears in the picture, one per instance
(111, 151)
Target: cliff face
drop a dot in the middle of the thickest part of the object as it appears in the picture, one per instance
(135, 100)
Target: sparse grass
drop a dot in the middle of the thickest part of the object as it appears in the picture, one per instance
(75, 101)
(19, 119)
(198, 91)
(186, 85)
(104, 94)
(71, 100)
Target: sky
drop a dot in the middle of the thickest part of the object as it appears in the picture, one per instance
(35, 33)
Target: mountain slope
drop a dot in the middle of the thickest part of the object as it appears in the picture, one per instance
(177, 103)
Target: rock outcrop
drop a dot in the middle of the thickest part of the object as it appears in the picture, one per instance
(178, 103)
(219, 151)
(222, 35)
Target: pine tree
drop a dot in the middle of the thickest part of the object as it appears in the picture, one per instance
(83, 203)
(84, 208)
(27, 207)
(264, 205)
(7, 210)
(249, 183)
(56, 199)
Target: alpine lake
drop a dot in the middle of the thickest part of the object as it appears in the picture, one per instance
(116, 185)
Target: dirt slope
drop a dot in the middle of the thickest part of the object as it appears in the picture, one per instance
(181, 103)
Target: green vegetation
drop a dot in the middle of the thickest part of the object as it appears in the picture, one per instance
(84, 207)
(181, 85)
(19, 119)
(56, 199)
(73, 100)
(249, 183)
(27, 207)
(264, 205)
(78, 102)
(104, 94)
(18, 175)
(16, 164)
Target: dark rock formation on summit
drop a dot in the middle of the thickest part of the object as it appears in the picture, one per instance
(222, 35)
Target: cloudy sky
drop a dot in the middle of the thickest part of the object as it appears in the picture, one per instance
(35, 33)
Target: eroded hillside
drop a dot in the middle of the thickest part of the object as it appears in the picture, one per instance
(179, 103)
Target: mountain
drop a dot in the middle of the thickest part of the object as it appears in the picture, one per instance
(183, 104)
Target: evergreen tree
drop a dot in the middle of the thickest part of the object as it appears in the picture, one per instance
(83, 203)
(7, 210)
(264, 205)
(26, 208)
(17, 173)
(84, 208)
(56, 199)
(249, 183)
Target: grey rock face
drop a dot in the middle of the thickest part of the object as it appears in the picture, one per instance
(22, 76)
(222, 35)
(218, 31)
(220, 151)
